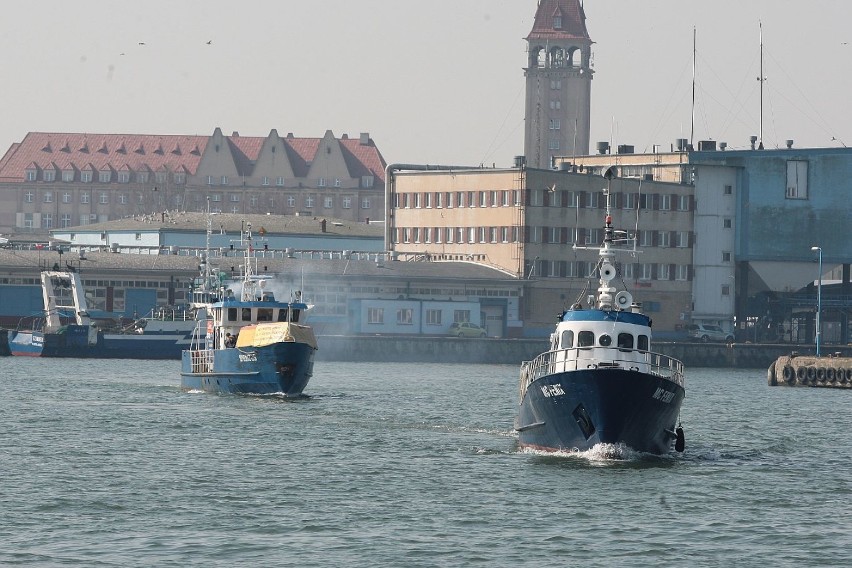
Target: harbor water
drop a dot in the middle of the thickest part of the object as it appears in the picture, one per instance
(108, 463)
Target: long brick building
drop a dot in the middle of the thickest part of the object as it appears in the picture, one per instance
(56, 180)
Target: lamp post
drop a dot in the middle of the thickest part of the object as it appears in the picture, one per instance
(819, 298)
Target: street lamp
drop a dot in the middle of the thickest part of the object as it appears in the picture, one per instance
(819, 297)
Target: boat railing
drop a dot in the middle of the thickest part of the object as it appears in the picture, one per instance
(201, 360)
(572, 359)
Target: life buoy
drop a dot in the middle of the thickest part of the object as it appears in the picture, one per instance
(830, 374)
(820, 374)
(812, 373)
(789, 373)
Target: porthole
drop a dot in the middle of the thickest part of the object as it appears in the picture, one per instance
(605, 340)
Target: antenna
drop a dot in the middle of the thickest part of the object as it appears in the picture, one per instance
(761, 79)
(692, 123)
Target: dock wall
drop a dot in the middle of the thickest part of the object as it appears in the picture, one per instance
(514, 351)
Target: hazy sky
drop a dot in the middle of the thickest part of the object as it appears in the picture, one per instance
(438, 82)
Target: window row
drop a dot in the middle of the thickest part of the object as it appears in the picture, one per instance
(405, 316)
(630, 271)
(540, 235)
(450, 199)
(103, 176)
(103, 198)
(585, 339)
(553, 197)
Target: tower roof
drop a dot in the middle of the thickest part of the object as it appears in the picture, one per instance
(559, 19)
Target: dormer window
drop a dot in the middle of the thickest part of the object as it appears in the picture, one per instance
(31, 175)
(104, 176)
(557, 22)
(67, 175)
(123, 177)
(49, 175)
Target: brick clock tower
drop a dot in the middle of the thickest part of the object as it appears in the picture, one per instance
(559, 83)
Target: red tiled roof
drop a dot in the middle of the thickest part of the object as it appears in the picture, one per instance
(573, 20)
(144, 152)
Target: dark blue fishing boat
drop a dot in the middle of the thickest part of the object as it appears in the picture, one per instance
(67, 330)
(250, 343)
(599, 383)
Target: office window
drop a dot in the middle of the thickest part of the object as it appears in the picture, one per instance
(460, 316)
(682, 272)
(727, 223)
(104, 198)
(665, 202)
(375, 315)
(65, 220)
(433, 317)
(291, 200)
(726, 256)
(404, 316)
(328, 202)
(663, 271)
(84, 198)
(48, 197)
(347, 202)
(365, 203)
(646, 271)
(682, 239)
(683, 203)
(664, 239)
(309, 201)
(265, 180)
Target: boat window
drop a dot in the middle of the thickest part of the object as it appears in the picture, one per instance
(282, 315)
(567, 339)
(605, 340)
(264, 314)
(625, 341)
(246, 314)
(232, 314)
(642, 343)
(294, 316)
(585, 339)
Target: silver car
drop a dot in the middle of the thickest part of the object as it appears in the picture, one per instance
(706, 332)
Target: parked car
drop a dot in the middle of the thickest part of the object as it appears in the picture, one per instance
(705, 332)
(467, 329)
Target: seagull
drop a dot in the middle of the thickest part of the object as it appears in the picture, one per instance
(210, 42)
(141, 43)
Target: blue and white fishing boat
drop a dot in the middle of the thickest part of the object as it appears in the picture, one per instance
(250, 343)
(599, 383)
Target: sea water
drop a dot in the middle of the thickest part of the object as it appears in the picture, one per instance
(108, 463)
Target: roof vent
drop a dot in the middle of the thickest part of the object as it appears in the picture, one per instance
(789, 143)
(603, 147)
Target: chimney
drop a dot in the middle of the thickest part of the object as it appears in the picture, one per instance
(365, 139)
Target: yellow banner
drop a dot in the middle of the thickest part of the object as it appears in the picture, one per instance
(264, 334)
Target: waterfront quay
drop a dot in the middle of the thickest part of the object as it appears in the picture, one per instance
(513, 351)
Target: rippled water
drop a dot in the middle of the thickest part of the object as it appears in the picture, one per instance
(108, 463)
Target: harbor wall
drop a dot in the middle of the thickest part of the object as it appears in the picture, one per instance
(514, 351)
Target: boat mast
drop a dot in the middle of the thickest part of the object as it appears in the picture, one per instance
(607, 268)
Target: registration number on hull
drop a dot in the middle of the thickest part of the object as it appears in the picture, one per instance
(663, 395)
(552, 390)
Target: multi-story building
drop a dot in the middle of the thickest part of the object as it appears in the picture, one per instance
(758, 215)
(544, 227)
(59, 180)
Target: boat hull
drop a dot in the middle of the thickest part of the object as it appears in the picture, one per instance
(576, 410)
(73, 342)
(280, 368)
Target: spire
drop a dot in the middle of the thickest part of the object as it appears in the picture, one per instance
(559, 19)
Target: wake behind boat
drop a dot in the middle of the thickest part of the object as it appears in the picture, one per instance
(599, 383)
(250, 344)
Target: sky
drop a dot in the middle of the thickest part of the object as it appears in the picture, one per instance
(434, 82)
